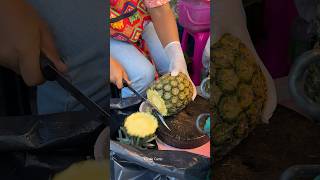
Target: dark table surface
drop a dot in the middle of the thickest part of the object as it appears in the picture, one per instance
(290, 139)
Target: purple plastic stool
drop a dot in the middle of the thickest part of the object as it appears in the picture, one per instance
(194, 17)
(200, 40)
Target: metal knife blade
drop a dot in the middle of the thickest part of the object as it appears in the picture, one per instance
(52, 74)
(154, 109)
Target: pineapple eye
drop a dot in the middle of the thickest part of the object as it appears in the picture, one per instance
(174, 83)
(181, 86)
(167, 96)
(175, 91)
(167, 87)
(160, 92)
(182, 96)
(159, 86)
(174, 100)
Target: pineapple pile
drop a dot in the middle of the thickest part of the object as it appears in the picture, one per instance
(238, 92)
(312, 82)
(170, 94)
(139, 130)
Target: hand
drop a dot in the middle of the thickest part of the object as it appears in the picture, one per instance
(178, 62)
(23, 36)
(117, 73)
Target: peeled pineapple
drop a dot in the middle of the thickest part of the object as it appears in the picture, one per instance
(238, 90)
(90, 169)
(170, 94)
(141, 124)
(139, 130)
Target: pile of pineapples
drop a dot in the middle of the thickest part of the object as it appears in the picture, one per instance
(312, 82)
(238, 93)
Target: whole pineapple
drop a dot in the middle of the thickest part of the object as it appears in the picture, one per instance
(170, 94)
(238, 91)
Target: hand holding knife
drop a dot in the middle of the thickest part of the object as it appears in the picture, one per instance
(52, 74)
(154, 109)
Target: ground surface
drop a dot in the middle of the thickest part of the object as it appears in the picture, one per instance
(289, 139)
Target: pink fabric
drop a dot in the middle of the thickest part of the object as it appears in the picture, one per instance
(203, 150)
(155, 3)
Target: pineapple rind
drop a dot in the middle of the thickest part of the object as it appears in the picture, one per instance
(171, 94)
(238, 92)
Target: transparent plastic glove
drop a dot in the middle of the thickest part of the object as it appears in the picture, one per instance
(178, 62)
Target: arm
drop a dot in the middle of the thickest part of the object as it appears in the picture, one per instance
(165, 24)
(166, 27)
(117, 73)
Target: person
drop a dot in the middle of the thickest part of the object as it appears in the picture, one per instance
(161, 36)
(70, 30)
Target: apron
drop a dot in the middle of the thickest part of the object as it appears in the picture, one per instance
(127, 20)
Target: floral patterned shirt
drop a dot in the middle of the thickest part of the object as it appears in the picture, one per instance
(155, 3)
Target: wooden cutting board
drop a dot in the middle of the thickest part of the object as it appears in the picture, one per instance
(184, 133)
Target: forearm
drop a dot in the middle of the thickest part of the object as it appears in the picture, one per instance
(165, 24)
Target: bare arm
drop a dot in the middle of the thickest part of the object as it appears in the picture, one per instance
(117, 73)
(165, 24)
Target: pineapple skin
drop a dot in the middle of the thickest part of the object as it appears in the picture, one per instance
(238, 91)
(175, 93)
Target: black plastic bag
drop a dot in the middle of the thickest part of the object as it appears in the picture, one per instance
(127, 162)
(37, 147)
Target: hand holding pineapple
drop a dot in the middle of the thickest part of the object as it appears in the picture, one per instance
(178, 62)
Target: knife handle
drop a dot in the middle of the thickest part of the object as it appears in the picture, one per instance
(47, 68)
(125, 83)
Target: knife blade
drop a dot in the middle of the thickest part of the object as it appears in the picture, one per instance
(154, 109)
(52, 74)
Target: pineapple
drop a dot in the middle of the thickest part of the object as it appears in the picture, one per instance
(312, 82)
(139, 130)
(238, 91)
(170, 94)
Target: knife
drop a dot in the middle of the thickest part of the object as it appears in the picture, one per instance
(154, 109)
(50, 73)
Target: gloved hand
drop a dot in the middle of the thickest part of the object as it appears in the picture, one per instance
(178, 62)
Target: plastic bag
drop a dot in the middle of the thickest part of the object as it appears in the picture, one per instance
(36, 147)
(130, 163)
(127, 162)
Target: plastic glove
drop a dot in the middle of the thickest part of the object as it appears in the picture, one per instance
(177, 62)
